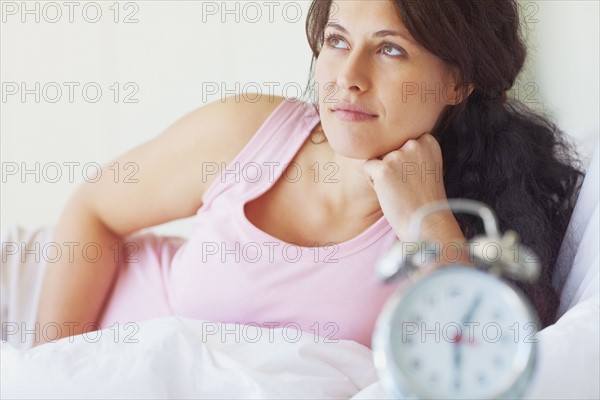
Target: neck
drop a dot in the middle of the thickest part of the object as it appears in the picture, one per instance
(342, 184)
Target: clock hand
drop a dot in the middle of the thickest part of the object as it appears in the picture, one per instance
(457, 363)
(471, 311)
(457, 341)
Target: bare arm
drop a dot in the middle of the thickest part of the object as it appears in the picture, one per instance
(169, 185)
(75, 287)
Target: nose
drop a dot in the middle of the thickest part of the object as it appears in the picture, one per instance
(353, 73)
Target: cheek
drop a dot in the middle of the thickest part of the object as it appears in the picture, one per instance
(320, 68)
(413, 105)
(324, 80)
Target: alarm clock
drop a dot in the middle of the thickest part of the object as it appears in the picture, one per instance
(459, 332)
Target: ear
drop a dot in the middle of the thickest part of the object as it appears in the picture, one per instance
(460, 96)
(456, 94)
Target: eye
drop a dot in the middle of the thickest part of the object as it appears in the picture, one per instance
(389, 47)
(332, 40)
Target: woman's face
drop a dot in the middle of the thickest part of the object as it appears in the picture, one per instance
(391, 76)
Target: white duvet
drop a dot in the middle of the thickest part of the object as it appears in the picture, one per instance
(183, 358)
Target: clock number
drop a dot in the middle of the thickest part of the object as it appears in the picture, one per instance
(415, 364)
(498, 362)
(434, 379)
(482, 379)
(431, 300)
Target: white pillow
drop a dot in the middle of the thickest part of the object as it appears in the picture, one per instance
(578, 257)
(569, 356)
(21, 276)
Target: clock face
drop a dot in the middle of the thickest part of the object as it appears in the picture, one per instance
(461, 333)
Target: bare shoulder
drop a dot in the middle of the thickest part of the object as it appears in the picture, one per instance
(171, 178)
(229, 123)
(238, 121)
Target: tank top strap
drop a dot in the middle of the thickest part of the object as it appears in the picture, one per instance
(268, 151)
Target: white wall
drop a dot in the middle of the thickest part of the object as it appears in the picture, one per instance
(175, 48)
(168, 55)
(562, 73)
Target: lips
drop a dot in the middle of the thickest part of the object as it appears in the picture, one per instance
(353, 108)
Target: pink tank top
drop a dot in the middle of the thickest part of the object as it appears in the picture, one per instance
(231, 271)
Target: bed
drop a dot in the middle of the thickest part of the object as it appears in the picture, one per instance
(174, 357)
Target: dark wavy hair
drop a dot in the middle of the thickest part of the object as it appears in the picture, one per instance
(495, 150)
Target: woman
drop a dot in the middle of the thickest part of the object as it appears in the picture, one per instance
(411, 109)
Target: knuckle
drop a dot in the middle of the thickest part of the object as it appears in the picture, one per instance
(386, 169)
(429, 138)
(410, 144)
(395, 156)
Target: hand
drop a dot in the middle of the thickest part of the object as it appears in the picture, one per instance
(407, 178)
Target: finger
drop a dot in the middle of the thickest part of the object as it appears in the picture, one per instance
(424, 136)
(369, 169)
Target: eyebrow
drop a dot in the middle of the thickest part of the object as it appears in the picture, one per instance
(383, 33)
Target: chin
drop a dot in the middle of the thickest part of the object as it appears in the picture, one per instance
(351, 141)
(352, 148)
